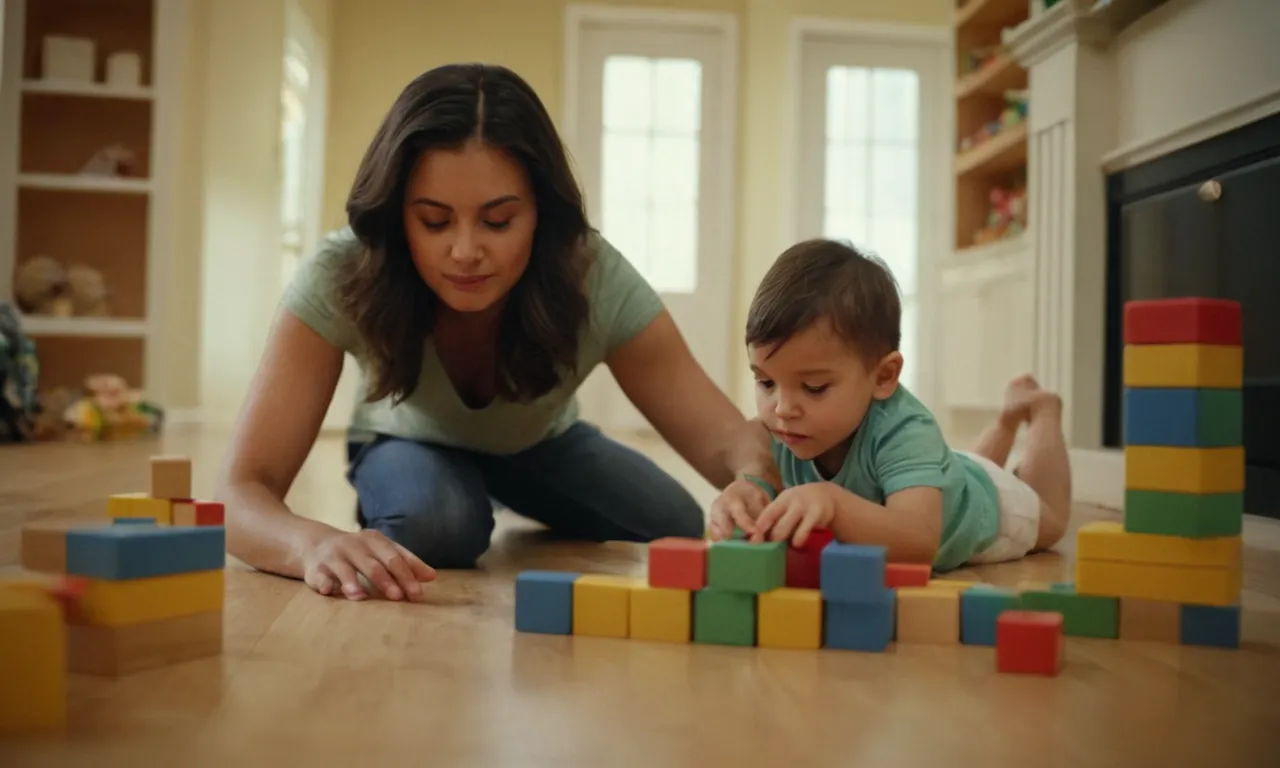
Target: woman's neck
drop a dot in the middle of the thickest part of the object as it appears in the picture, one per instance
(469, 326)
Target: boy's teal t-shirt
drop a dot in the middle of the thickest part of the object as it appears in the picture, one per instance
(899, 445)
(622, 304)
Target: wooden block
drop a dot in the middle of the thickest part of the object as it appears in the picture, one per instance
(134, 552)
(33, 662)
(867, 626)
(1199, 366)
(1171, 583)
(663, 614)
(1214, 626)
(44, 542)
(1183, 470)
(140, 505)
(1149, 620)
(790, 618)
(906, 574)
(544, 602)
(113, 651)
(928, 615)
(171, 478)
(198, 513)
(602, 605)
(139, 601)
(1190, 418)
(1107, 540)
(852, 573)
(742, 566)
(1029, 642)
(959, 586)
(1190, 515)
(1189, 320)
(678, 563)
(804, 564)
(724, 617)
(979, 609)
(1082, 615)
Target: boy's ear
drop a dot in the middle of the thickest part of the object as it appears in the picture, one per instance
(887, 373)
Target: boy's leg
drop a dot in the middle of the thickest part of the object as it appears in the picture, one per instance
(997, 441)
(1046, 467)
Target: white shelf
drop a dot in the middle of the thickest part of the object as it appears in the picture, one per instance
(84, 183)
(94, 90)
(101, 327)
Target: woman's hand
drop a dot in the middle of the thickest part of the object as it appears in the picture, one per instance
(740, 503)
(336, 561)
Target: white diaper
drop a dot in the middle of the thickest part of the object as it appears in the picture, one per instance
(1019, 515)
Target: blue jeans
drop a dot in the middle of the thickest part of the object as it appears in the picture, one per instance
(437, 501)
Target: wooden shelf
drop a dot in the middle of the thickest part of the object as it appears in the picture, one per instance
(992, 80)
(991, 13)
(99, 327)
(86, 183)
(1002, 153)
(93, 90)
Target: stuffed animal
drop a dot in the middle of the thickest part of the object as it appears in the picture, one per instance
(116, 160)
(44, 287)
(88, 291)
(111, 411)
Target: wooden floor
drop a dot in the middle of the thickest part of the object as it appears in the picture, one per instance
(311, 680)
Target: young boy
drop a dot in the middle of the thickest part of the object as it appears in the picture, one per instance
(859, 454)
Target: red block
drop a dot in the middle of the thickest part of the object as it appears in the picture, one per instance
(1029, 642)
(210, 513)
(678, 563)
(907, 574)
(1183, 321)
(804, 564)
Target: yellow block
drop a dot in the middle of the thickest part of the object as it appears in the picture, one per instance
(789, 618)
(1170, 583)
(1106, 540)
(33, 662)
(135, 601)
(602, 605)
(951, 584)
(1204, 366)
(1184, 470)
(661, 613)
(140, 505)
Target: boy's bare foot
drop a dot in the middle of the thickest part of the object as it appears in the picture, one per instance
(1044, 404)
(1018, 396)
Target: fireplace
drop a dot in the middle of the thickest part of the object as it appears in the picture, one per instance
(1205, 221)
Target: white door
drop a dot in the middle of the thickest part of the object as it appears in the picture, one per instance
(872, 144)
(653, 118)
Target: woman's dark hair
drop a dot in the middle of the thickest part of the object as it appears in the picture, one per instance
(392, 307)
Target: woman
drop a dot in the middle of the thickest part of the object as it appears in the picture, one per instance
(477, 299)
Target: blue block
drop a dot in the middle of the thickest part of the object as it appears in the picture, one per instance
(1213, 625)
(1190, 417)
(863, 626)
(133, 521)
(980, 606)
(132, 551)
(852, 573)
(544, 602)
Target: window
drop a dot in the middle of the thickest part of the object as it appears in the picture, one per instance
(652, 109)
(293, 146)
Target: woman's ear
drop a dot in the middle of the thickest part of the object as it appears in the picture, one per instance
(887, 372)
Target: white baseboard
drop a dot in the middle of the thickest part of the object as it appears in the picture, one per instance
(1097, 476)
(183, 416)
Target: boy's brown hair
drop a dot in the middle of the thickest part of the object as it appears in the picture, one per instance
(824, 279)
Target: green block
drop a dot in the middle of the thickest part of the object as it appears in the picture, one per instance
(741, 566)
(1082, 615)
(1194, 515)
(1220, 415)
(723, 617)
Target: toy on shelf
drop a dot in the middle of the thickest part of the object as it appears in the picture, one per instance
(43, 286)
(110, 410)
(114, 161)
(1013, 115)
(975, 59)
(1006, 216)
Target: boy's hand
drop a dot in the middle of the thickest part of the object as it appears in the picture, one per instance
(738, 504)
(797, 511)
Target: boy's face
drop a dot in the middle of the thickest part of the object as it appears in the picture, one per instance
(814, 389)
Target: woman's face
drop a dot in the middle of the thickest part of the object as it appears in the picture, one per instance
(469, 215)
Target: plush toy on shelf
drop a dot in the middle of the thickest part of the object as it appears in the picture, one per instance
(1013, 114)
(46, 288)
(1006, 216)
(110, 410)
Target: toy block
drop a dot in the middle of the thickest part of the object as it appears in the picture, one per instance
(790, 618)
(979, 609)
(140, 601)
(907, 574)
(602, 605)
(33, 662)
(1171, 583)
(1179, 366)
(171, 478)
(139, 505)
(1184, 470)
(928, 615)
(804, 564)
(134, 521)
(544, 602)
(664, 614)
(134, 551)
(743, 566)
(1029, 642)
(852, 573)
(1107, 540)
(1214, 626)
(959, 586)
(114, 651)
(724, 617)
(866, 626)
(44, 542)
(1149, 620)
(1187, 320)
(1189, 418)
(199, 513)
(678, 563)
(1082, 615)
(1189, 515)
